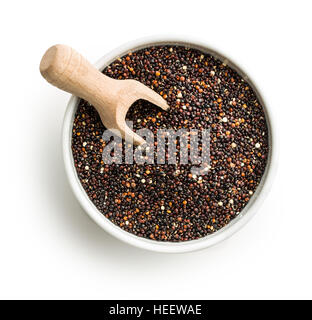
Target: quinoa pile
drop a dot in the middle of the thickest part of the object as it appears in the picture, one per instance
(166, 202)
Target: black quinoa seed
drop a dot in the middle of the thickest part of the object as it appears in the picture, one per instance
(166, 202)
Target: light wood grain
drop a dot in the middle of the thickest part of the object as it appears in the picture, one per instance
(66, 69)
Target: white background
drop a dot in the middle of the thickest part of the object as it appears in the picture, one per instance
(49, 248)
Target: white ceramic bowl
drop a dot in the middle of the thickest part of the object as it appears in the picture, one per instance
(248, 212)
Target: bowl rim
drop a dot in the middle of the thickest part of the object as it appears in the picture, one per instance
(158, 246)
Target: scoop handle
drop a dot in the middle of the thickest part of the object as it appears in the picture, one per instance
(68, 70)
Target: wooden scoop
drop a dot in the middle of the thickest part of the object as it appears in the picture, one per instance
(66, 69)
